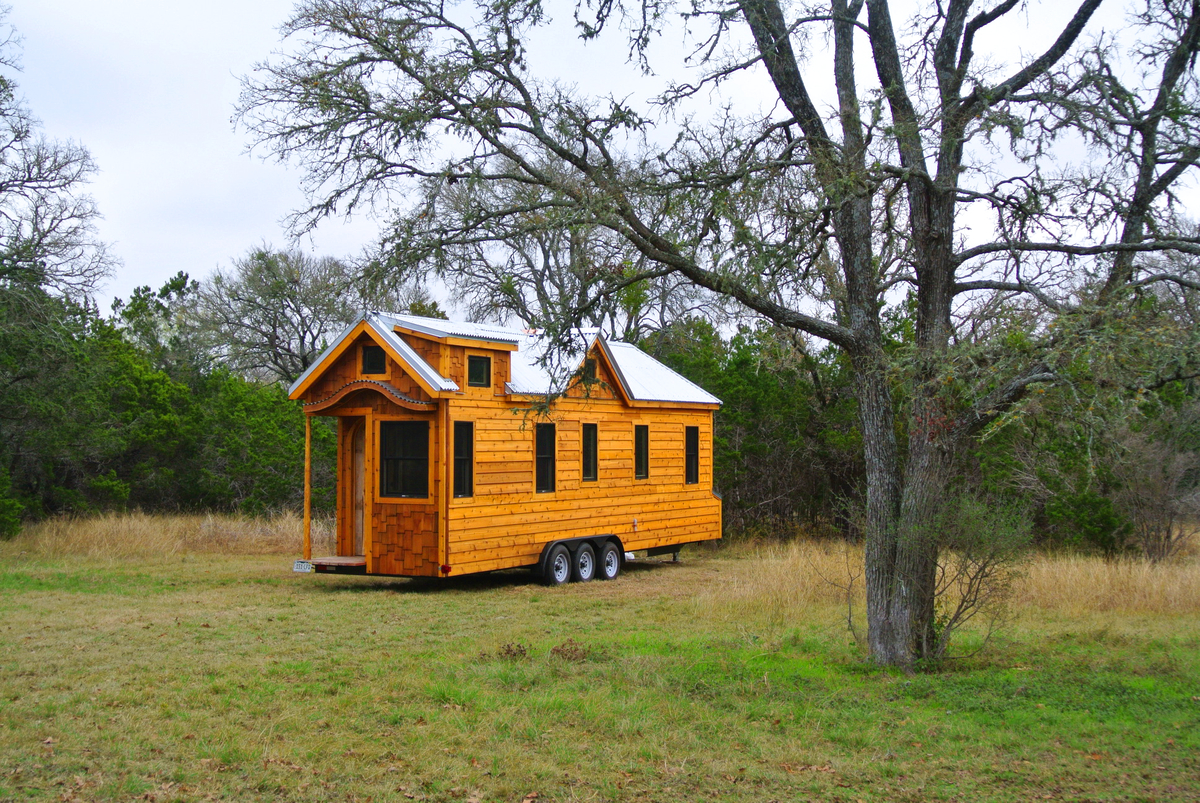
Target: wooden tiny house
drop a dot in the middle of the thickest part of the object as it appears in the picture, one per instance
(446, 466)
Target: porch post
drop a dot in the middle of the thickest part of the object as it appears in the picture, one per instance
(308, 487)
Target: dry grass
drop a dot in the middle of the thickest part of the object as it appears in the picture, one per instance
(1073, 584)
(791, 582)
(130, 535)
(781, 582)
(788, 582)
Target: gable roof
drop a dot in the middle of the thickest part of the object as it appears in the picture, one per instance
(646, 379)
(386, 336)
(642, 378)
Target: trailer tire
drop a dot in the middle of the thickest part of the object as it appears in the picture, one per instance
(609, 563)
(583, 563)
(558, 567)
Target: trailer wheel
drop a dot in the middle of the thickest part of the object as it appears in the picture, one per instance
(610, 561)
(584, 563)
(558, 566)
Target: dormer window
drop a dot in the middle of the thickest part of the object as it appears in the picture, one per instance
(374, 361)
(479, 371)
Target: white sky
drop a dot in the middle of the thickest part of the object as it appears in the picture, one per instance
(149, 87)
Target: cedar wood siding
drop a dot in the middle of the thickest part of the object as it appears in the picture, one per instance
(400, 535)
(505, 523)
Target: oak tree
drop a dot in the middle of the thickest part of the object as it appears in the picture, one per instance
(1002, 201)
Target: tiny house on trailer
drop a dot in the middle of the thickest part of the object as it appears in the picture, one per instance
(445, 468)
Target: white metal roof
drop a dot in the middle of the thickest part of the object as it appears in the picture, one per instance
(534, 371)
(441, 328)
(647, 379)
(383, 324)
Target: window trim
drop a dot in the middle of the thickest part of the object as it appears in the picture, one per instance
(641, 451)
(488, 359)
(538, 477)
(469, 458)
(362, 359)
(691, 455)
(583, 452)
(428, 459)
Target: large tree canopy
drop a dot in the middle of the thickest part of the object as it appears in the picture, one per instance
(1004, 204)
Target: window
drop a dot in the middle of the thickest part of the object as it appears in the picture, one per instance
(590, 468)
(464, 455)
(641, 451)
(373, 360)
(544, 458)
(589, 370)
(691, 455)
(404, 458)
(479, 371)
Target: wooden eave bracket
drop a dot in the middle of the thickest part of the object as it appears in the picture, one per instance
(367, 384)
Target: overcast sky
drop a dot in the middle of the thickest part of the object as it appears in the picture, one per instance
(149, 87)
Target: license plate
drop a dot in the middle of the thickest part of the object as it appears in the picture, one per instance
(303, 566)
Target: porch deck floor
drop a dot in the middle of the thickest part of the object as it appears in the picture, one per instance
(341, 560)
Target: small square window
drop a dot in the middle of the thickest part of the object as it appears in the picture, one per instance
(479, 371)
(374, 361)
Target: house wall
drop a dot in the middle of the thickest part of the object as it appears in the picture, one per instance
(505, 522)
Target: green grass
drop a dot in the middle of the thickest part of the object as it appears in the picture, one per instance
(208, 677)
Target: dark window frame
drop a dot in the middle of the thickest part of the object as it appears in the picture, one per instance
(464, 459)
(405, 473)
(641, 451)
(544, 443)
(691, 455)
(373, 357)
(590, 452)
(476, 359)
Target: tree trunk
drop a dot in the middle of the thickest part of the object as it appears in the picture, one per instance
(901, 542)
(877, 421)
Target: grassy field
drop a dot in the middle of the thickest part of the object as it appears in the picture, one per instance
(143, 667)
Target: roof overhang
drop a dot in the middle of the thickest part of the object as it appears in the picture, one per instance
(452, 340)
(421, 372)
